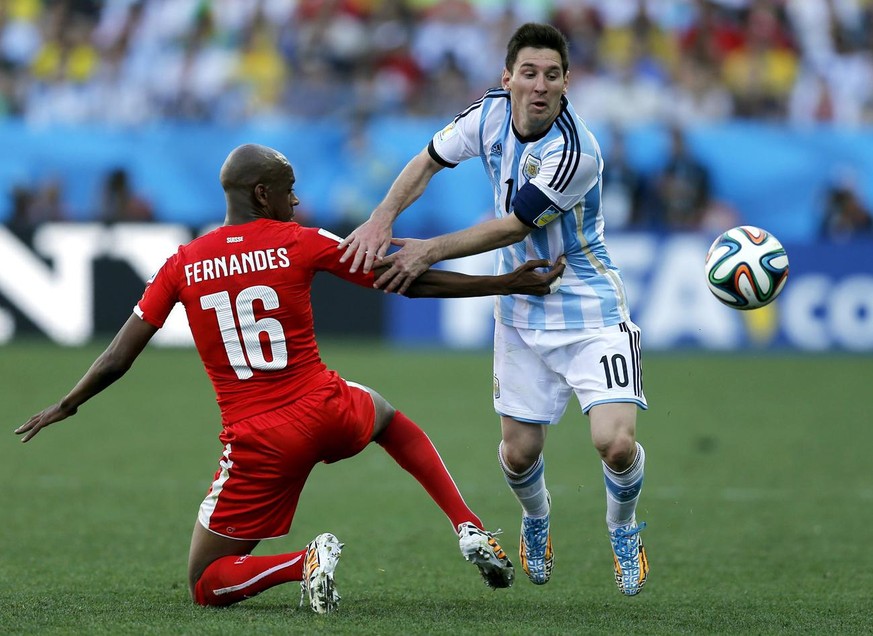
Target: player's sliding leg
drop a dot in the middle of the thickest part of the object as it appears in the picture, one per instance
(521, 459)
(231, 579)
(412, 449)
(613, 430)
(222, 571)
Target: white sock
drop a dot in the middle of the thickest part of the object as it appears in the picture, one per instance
(623, 491)
(528, 487)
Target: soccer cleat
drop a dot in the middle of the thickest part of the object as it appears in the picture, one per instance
(322, 556)
(631, 564)
(481, 549)
(535, 548)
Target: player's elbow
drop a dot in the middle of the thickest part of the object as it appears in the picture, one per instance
(514, 230)
(519, 233)
(111, 365)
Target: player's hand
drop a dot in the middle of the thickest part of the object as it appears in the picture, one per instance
(35, 424)
(366, 245)
(527, 280)
(404, 265)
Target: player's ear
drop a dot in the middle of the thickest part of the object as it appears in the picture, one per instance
(504, 79)
(260, 193)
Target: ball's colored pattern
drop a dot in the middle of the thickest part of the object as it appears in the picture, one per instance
(746, 267)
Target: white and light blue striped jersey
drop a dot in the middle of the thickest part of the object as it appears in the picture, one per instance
(565, 166)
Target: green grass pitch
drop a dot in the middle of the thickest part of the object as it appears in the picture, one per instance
(758, 499)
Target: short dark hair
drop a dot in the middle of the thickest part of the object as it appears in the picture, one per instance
(538, 36)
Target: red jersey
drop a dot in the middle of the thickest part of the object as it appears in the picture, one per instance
(246, 291)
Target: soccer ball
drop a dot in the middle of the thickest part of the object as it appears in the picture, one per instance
(746, 267)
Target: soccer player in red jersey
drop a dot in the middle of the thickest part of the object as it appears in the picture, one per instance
(246, 287)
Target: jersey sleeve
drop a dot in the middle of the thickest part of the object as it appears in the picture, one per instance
(161, 294)
(459, 140)
(563, 180)
(321, 247)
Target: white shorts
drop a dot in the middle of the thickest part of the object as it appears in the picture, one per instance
(536, 371)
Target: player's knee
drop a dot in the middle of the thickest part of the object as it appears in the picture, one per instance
(195, 574)
(201, 590)
(193, 592)
(618, 451)
(519, 457)
(613, 432)
(383, 415)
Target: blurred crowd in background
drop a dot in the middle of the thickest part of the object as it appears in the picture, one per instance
(134, 61)
(678, 63)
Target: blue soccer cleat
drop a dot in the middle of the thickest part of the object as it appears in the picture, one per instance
(629, 555)
(535, 548)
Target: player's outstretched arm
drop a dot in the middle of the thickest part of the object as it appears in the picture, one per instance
(526, 279)
(416, 255)
(370, 241)
(113, 363)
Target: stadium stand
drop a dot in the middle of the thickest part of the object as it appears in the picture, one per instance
(130, 67)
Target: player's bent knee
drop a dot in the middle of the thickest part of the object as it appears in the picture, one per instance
(518, 459)
(384, 412)
(194, 578)
(617, 452)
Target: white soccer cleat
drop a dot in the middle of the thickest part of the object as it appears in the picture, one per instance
(321, 559)
(481, 549)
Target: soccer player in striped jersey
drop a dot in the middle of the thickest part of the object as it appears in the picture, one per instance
(246, 290)
(545, 167)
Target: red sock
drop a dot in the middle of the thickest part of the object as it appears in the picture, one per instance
(412, 449)
(232, 579)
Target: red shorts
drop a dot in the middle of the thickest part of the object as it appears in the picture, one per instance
(263, 469)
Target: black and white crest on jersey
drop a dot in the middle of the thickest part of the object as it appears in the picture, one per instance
(531, 167)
